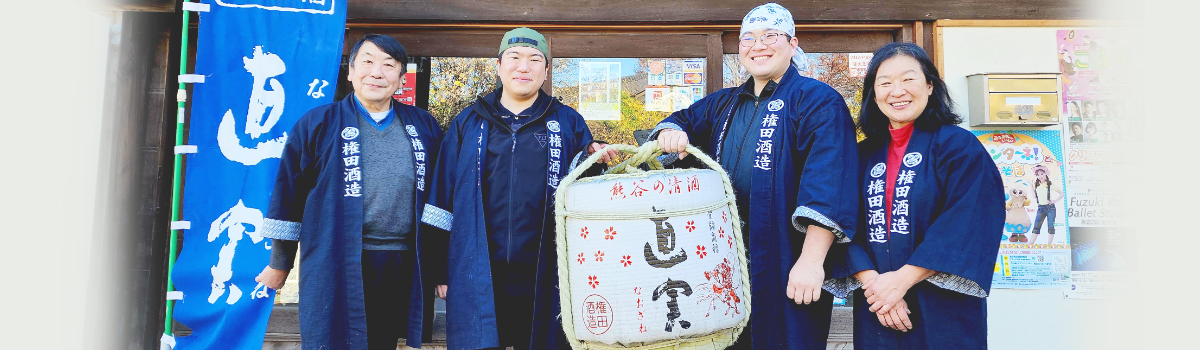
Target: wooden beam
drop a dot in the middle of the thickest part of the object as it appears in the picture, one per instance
(827, 42)
(141, 5)
(918, 33)
(437, 44)
(548, 85)
(938, 52)
(707, 10)
(1029, 23)
(714, 70)
(928, 33)
(691, 28)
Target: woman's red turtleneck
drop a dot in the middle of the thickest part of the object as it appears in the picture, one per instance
(895, 154)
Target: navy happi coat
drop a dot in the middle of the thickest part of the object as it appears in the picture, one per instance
(316, 202)
(801, 177)
(457, 208)
(947, 216)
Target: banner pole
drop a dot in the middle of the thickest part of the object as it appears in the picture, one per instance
(181, 97)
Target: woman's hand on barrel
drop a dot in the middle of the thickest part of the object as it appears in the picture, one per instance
(441, 291)
(672, 141)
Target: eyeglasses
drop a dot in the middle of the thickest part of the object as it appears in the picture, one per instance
(767, 39)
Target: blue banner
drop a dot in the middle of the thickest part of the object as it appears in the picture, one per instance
(266, 63)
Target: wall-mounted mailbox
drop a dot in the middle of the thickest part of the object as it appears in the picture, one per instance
(1014, 99)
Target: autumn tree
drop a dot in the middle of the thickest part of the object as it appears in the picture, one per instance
(455, 83)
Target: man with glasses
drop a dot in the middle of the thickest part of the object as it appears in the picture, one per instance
(492, 205)
(788, 144)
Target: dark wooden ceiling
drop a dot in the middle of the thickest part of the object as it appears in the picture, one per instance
(706, 10)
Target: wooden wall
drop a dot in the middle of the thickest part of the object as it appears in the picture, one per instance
(128, 263)
(707, 10)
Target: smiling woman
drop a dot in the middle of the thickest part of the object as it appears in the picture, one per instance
(928, 187)
(901, 90)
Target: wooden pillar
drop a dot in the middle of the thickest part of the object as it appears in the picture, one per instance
(715, 67)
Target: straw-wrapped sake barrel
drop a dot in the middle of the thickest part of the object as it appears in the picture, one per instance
(651, 258)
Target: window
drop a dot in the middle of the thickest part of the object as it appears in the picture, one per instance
(618, 96)
(831, 68)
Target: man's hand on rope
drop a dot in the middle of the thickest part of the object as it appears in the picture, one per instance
(672, 141)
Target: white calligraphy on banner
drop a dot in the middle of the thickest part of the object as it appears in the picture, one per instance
(268, 5)
(235, 221)
(264, 67)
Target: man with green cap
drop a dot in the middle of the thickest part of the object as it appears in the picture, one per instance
(491, 205)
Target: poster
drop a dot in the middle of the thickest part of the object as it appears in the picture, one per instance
(258, 83)
(1104, 127)
(858, 64)
(1035, 244)
(658, 99)
(697, 93)
(600, 90)
(693, 72)
(655, 76)
(674, 72)
(1102, 263)
(407, 94)
(1101, 127)
(681, 97)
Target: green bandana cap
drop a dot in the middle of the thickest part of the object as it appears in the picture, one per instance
(524, 37)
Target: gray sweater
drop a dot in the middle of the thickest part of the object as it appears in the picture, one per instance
(388, 178)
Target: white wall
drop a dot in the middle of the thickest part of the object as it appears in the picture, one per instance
(1042, 318)
(51, 97)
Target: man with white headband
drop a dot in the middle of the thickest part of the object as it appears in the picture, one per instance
(788, 144)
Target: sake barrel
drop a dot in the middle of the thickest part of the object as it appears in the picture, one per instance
(651, 257)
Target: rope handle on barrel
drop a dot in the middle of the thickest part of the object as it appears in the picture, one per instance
(647, 153)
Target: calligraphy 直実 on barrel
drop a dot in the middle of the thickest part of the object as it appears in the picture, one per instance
(651, 257)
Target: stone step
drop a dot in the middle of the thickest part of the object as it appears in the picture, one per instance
(283, 326)
(280, 343)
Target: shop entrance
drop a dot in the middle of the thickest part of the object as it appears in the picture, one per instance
(621, 78)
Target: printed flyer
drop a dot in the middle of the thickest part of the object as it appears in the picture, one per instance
(681, 97)
(858, 64)
(693, 72)
(1100, 126)
(600, 90)
(1104, 128)
(1102, 263)
(655, 76)
(674, 73)
(658, 99)
(1035, 251)
(697, 93)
